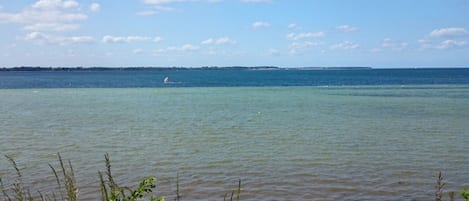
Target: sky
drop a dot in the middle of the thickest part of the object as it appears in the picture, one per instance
(195, 33)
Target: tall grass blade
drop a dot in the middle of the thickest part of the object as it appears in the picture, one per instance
(58, 181)
(69, 180)
(18, 185)
(4, 191)
(29, 196)
(177, 187)
(64, 172)
(112, 185)
(71, 187)
(439, 188)
(53, 198)
(104, 195)
(239, 189)
(41, 196)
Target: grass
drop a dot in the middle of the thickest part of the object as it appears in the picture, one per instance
(67, 189)
(111, 191)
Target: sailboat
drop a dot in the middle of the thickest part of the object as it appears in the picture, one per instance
(166, 80)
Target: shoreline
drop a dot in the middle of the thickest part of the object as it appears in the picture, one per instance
(215, 68)
(40, 68)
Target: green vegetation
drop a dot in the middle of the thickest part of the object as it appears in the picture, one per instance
(439, 190)
(465, 194)
(110, 191)
(67, 189)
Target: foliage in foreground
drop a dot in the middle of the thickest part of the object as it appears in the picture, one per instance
(439, 190)
(68, 190)
(465, 194)
(111, 191)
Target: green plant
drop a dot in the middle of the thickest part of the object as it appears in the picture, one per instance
(177, 188)
(232, 192)
(465, 194)
(21, 193)
(68, 190)
(68, 179)
(439, 188)
(110, 191)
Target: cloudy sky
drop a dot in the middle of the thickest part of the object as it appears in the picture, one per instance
(286, 33)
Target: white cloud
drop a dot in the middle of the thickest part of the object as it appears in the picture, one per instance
(256, 1)
(185, 47)
(51, 27)
(211, 52)
(425, 44)
(219, 41)
(225, 40)
(95, 7)
(444, 39)
(346, 28)
(298, 47)
(376, 50)
(449, 32)
(182, 48)
(346, 45)
(388, 43)
(158, 51)
(54, 4)
(260, 24)
(294, 26)
(207, 42)
(449, 44)
(157, 39)
(37, 16)
(155, 10)
(163, 8)
(47, 15)
(58, 40)
(273, 52)
(147, 13)
(159, 2)
(124, 39)
(189, 47)
(137, 51)
(299, 36)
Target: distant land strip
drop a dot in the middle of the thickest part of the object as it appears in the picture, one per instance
(38, 68)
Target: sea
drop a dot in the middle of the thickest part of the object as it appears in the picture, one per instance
(284, 134)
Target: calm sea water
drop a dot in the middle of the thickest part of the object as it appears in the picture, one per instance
(305, 135)
(229, 78)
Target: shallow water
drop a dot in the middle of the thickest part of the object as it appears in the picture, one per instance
(284, 143)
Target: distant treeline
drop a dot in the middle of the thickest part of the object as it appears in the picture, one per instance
(38, 68)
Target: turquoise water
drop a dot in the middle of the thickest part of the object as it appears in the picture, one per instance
(285, 143)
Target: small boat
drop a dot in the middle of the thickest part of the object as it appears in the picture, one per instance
(166, 80)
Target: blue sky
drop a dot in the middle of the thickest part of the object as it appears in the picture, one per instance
(285, 33)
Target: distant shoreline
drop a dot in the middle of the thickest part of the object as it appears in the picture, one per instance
(39, 68)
